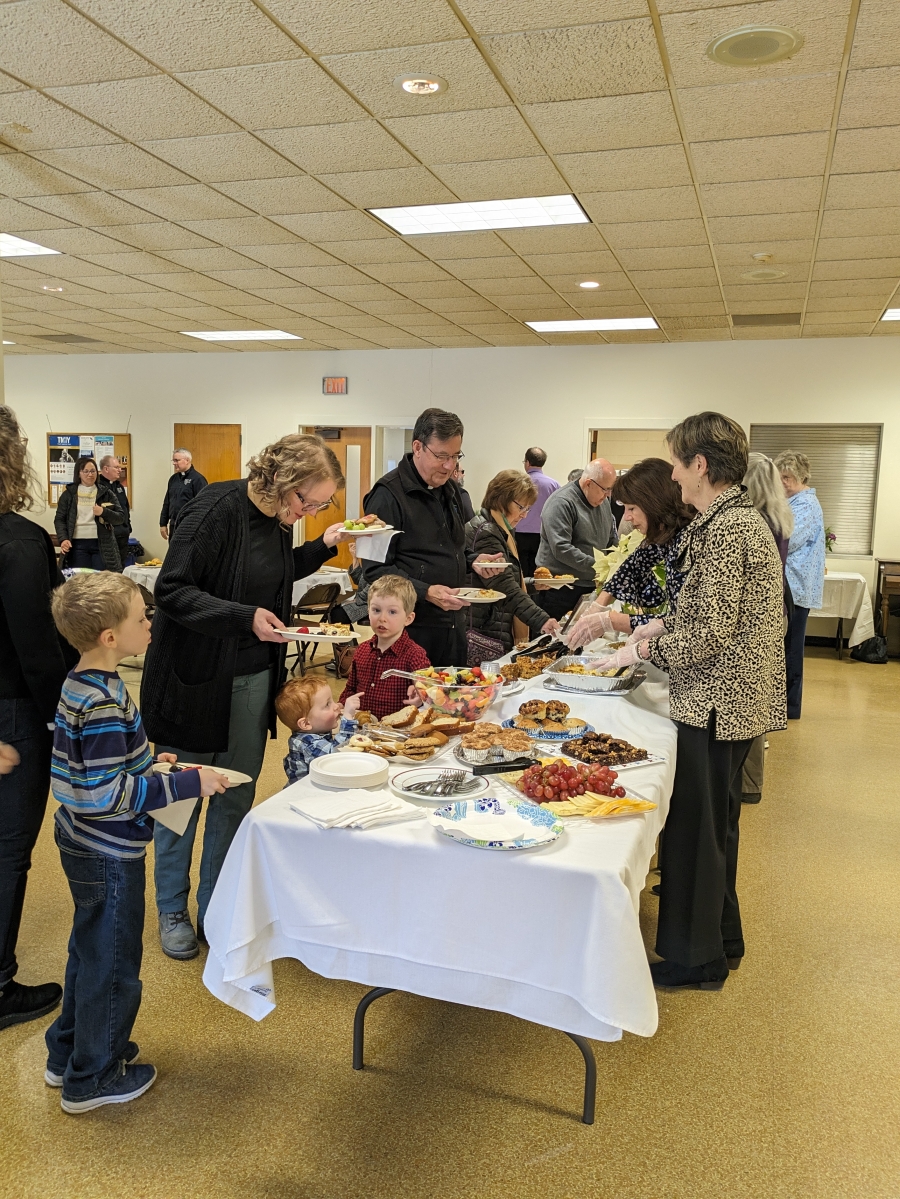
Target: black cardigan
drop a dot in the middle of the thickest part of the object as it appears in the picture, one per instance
(200, 615)
(67, 518)
(484, 536)
(34, 659)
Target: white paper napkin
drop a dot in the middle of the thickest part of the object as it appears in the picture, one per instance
(375, 548)
(355, 809)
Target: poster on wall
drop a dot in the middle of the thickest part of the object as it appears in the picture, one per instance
(64, 450)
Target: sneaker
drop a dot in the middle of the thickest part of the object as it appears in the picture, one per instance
(19, 1004)
(55, 1079)
(128, 1084)
(176, 935)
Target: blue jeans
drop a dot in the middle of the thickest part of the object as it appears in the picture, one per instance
(23, 801)
(247, 732)
(87, 1040)
(86, 553)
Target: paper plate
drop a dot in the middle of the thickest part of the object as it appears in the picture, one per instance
(491, 823)
(371, 532)
(235, 778)
(294, 634)
(512, 688)
(474, 595)
(543, 735)
(347, 770)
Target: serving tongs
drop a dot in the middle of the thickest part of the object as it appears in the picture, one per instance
(503, 767)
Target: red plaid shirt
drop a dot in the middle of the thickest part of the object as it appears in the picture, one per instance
(381, 696)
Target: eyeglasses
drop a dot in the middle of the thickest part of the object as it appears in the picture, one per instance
(311, 508)
(445, 458)
(605, 490)
(523, 508)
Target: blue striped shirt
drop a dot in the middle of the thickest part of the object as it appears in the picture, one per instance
(102, 769)
(304, 747)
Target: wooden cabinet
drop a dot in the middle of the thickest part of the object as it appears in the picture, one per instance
(888, 584)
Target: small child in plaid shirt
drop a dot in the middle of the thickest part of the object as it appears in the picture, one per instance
(392, 600)
(318, 723)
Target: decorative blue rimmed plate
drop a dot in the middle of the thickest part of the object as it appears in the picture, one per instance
(543, 735)
(491, 823)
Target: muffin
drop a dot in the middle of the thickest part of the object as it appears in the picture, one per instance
(557, 710)
(534, 709)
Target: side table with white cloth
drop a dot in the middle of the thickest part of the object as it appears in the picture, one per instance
(328, 574)
(550, 935)
(146, 576)
(845, 596)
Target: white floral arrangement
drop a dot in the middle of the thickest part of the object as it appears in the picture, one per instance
(606, 563)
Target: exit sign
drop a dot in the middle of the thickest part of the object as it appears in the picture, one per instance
(333, 386)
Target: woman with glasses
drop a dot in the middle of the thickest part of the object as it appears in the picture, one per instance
(86, 518)
(507, 500)
(217, 656)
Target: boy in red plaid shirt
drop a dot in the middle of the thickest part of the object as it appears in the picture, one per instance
(392, 600)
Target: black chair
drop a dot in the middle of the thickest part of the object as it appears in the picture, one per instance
(320, 601)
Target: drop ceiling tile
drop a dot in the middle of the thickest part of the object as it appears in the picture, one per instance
(115, 167)
(155, 235)
(431, 320)
(558, 239)
(831, 248)
(287, 297)
(336, 226)
(591, 264)
(31, 121)
(791, 272)
(605, 123)
(655, 233)
(823, 22)
(8, 84)
(525, 338)
(867, 150)
(488, 330)
(466, 136)
(348, 146)
(751, 199)
(185, 283)
(678, 335)
(426, 292)
(370, 76)
(770, 227)
(668, 312)
(777, 297)
(864, 269)
(23, 175)
(594, 305)
(79, 241)
(275, 95)
(379, 189)
(379, 250)
(696, 277)
(240, 231)
(770, 333)
(578, 62)
(759, 107)
(869, 190)
(144, 109)
(535, 308)
(677, 295)
(871, 97)
(488, 315)
(746, 159)
(461, 304)
(396, 307)
(829, 307)
(351, 293)
(739, 253)
(316, 276)
(297, 194)
(453, 343)
(845, 330)
(505, 266)
(223, 157)
(877, 39)
(355, 25)
(646, 204)
(509, 16)
(214, 259)
(664, 257)
(617, 170)
(181, 35)
(16, 217)
(193, 202)
(568, 284)
(92, 208)
(442, 246)
(860, 222)
(129, 262)
(50, 45)
(287, 255)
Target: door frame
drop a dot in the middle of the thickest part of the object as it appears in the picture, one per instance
(618, 422)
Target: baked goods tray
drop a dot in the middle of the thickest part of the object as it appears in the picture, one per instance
(496, 755)
(566, 681)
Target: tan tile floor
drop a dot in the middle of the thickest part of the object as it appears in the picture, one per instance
(782, 1086)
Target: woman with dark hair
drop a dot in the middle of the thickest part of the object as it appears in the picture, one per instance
(724, 653)
(86, 516)
(508, 497)
(33, 665)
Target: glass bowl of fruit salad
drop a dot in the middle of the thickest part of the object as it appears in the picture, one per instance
(459, 691)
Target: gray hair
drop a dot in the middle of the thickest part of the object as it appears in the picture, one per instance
(187, 454)
(789, 462)
(575, 475)
(596, 469)
(106, 459)
(763, 483)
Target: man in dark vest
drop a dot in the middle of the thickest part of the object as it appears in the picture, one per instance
(184, 484)
(422, 498)
(111, 469)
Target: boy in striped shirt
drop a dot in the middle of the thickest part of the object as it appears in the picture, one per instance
(102, 776)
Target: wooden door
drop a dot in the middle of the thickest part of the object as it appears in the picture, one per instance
(353, 449)
(216, 449)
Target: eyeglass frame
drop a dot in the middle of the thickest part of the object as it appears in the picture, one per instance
(309, 508)
(606, 490)
(523, 508)
(443, 458)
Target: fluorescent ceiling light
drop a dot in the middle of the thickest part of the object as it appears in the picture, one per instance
(589, 283)
(16, 247)
(483, 214)
(9, 343)
(892, 314)
(244, 335)
(587, 326)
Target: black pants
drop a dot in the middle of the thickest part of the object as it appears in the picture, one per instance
(23, 800)
(527, 544)
(124, 549)
(85, 553)
(557, 601)
(445, 645)
(793, 653)
(698, 904)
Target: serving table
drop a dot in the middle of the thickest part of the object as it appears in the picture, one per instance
(845, 596)
(549, 935)
(328, 574)
(145, 575)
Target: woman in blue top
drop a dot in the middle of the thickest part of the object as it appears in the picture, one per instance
(805, 567)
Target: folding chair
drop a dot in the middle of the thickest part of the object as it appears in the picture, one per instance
(318, 601)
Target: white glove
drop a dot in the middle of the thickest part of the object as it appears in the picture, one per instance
(643, 632)
(588, 628)
(628, 655)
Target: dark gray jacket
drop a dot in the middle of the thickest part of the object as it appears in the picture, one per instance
(67, 518)
(484, 536)
(571, 530)
(182, 488)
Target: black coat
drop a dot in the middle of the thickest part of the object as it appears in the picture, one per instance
(34, 659)
(201, 615)
(484, 536)
(122, 500)
(107, 525)
(431, 550)
(182, 488)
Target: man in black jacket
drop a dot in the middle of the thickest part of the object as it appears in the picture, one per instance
(422, 498)
(110, 469)
(185, 483)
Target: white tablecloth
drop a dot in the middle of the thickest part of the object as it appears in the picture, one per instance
(321, 576)
(145, 575)
(846, 596)
(550, 935)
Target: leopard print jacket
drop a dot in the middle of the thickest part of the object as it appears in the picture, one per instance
(724, 648)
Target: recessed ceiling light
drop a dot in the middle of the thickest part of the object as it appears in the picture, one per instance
(763, 275)
(763, 256)
(892, 314)
(754, 45)
(9, 343)
(244, 335)
(586, 326)
(589, 283)
(16, 247)
(420, 84)
(483, 214)
(47, 287)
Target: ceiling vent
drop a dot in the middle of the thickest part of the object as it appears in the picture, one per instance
(757, 319)
(754, 45)
(763, 275)
(68, 339)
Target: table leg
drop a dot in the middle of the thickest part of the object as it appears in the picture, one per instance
(590, 1076)
(359, 1023)
(840, 638)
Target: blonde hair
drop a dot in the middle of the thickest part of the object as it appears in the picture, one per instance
(395, 587)
(789, 462)
(295, 699)
(763, 483)
(506, 487)
(90, 603)
(18, 482)
(296, 461)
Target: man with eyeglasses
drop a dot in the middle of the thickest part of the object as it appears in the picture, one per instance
(421, 497)
(576, 520)
(184, 483)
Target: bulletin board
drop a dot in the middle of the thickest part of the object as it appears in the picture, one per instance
(64, 450)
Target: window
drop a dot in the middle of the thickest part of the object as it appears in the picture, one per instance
(843, 465)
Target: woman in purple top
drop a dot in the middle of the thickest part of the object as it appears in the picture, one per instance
(528, 530)
(764, 488)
